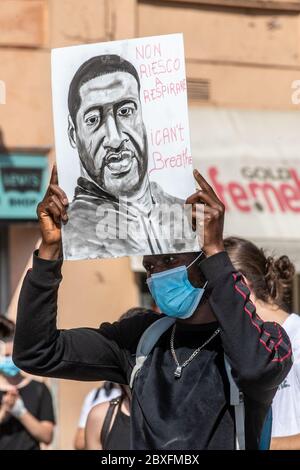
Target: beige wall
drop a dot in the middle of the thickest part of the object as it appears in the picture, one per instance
(227, 35)
(249, 56)
(22, 240)
(23, 23)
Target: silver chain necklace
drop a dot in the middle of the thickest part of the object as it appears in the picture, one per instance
(179, 367)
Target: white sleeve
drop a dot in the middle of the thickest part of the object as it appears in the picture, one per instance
(296, 363)
(87, 405)
(90, 402)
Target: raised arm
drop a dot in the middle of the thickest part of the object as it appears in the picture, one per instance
(39, 347)
(260, 353)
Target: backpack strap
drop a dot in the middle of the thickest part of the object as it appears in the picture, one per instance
(107, 420)
(147, 342)
(266, 433)
(237, 401)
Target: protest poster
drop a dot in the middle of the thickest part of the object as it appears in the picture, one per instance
(123, 147)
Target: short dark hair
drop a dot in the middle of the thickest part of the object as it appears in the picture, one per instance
(134, 311)
(92, 68)
(7, 328)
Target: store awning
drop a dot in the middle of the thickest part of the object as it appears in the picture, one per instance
(252, 159)
(23, 182)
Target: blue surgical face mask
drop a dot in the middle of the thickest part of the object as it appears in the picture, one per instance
(7, 367)
(173, 293)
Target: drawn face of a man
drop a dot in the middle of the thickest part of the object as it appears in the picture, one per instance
(109, 133)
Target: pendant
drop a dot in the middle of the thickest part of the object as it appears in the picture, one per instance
(178, 372)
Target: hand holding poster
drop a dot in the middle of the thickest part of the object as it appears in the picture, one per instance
(123, 150)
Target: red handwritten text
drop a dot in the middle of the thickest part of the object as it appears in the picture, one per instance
(161, 162)
(161, 90)
(147, 51)
(167, 135)
(159, 67)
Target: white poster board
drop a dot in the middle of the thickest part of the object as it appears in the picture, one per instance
(123, 147)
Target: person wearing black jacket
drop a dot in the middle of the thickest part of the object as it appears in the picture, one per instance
(181, 395)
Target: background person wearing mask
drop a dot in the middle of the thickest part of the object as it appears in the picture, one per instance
(26, 410)
(181, 396)
(270, 282)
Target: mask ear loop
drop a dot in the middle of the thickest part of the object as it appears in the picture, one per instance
(201, 253)
(2, 348)
(194, 261)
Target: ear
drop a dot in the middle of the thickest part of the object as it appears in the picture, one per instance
(72, 133)
(246, 282)
(2, 348)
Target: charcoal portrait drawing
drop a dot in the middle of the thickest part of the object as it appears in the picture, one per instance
(114, 209)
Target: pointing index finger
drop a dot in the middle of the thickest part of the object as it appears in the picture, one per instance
(54, 176)
(201, 181)
(205, 187)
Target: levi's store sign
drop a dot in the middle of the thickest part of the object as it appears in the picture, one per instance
(262, 198)
(23, 181)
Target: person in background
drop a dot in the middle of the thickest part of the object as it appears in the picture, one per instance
(26, 409)
(96, 396)
(108, 424)
(107, 393)
(270, 282)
